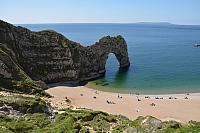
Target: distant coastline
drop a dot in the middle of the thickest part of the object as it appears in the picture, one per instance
(136, 23)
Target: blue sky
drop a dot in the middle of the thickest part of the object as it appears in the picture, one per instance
(100, 11)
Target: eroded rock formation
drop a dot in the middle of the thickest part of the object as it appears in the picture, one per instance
(15, 106)
(50, 57)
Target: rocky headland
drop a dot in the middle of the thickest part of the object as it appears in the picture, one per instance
(30, 59)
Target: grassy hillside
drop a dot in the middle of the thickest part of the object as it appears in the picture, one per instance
(32, 116)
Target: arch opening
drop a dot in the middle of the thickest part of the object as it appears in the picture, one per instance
(113, 77)
(112, 64)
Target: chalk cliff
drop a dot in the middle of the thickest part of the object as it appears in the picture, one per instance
(27, 56)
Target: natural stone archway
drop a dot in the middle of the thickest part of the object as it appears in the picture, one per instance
(50, 57)
(117, 46)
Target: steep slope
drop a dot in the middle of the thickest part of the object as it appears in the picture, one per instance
(50, 57)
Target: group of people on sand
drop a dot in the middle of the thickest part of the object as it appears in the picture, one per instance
(169, 97)
(138, 99)
(147, 97)
(107, 101)
(110, 102)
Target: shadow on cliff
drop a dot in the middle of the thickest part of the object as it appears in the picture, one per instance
(120, 78)
(68, 84)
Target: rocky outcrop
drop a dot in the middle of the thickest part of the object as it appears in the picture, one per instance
(50, 57)
(15, 106)
(151, 123)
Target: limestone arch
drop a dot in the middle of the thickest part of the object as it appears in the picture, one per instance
(116, 45)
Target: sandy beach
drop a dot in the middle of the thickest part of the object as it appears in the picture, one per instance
(180, 107)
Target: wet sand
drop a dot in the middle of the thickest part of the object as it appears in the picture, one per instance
(180, 107)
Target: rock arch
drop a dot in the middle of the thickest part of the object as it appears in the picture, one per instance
(116, 45)
(51, 57)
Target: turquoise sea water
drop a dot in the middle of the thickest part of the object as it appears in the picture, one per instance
(162, 57)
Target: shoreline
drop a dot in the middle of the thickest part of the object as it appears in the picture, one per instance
(135, 92)
(179, 107)
(138, 91)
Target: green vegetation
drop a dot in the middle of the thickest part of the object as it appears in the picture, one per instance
(83, 121)
(24, 104)
(22, 86)
(48, 31)
(14, 78)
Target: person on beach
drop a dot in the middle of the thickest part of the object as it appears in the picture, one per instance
(153, 104)
(119, 96)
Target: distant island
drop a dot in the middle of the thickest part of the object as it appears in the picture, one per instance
(154, 23)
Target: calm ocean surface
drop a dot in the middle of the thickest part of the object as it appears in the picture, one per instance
(162, 57)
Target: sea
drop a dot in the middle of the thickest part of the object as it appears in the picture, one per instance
(162, 56)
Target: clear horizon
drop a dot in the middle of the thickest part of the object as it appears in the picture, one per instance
(182, 12)
(101, 23)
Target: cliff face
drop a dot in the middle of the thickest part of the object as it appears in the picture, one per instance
(50, 57)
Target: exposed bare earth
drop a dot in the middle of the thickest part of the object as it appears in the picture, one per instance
(180, 107)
